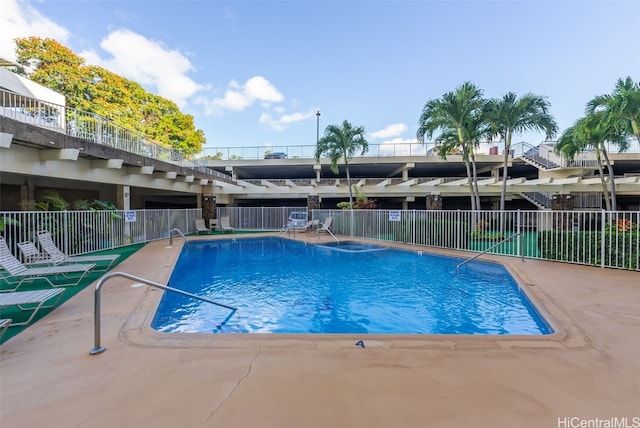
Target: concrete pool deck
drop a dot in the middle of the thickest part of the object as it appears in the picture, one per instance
(589, 370)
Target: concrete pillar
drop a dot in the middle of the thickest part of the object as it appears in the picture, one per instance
(562, 203)
(434, 202)
(208, 208)
(317, 168)
(123, 197)
(231, 170)
(28, 195)
(313, 202)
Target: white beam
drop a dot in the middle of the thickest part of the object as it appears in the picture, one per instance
(404, 169)
(487, 181)
(5, 140)
(58, 154)
(408, 183)
(107, 163)
(140, 170)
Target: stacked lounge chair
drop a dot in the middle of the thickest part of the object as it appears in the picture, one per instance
(29, 301)
(14, 272)
(201, 227)
(225, 225)
(57, 256)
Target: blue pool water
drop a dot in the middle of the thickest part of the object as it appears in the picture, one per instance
(352, 247)
(284, 286)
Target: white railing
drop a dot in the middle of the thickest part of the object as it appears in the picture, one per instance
(257, 218)
(596, 238)
(79, 232)
(308, 151)
(542, 153)
(93, 128)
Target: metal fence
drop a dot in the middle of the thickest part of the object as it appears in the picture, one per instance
(79, 232)
(257, 218)
(588, 237)
(595, 238)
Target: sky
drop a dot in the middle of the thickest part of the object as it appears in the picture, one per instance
(254, 73)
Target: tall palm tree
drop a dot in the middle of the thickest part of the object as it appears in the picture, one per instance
(623, 103)
(457, 116)
(342, 143)
(510, 115)
(593, 132)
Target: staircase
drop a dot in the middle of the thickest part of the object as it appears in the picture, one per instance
(540, 199)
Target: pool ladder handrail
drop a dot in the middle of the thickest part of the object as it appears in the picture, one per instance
(179, 232)
(326, 229)
(97, 349)
(486, 250)
(332, 235)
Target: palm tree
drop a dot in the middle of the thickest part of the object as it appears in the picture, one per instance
(457, 116)
(510, 115)
(342, 143)
(623, 104)
(593, 132)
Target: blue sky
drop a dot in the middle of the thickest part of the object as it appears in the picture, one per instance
(253, 73)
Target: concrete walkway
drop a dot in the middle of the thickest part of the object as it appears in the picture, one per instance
(589, 369)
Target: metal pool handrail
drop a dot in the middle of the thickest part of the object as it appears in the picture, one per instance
(486, 250)
(179, 233)
(97, 347)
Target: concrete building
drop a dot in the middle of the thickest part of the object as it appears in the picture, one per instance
(46, 146)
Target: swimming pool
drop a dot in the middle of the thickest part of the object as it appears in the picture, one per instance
(352, 247)
(285, 286)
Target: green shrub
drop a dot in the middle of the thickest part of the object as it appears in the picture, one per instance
(442, 233)
(620, 249)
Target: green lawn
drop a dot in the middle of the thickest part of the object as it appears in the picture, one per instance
(510, 247)
(17, 315)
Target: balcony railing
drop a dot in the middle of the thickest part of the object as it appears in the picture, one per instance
(93, 128)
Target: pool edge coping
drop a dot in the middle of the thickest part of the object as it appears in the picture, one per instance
(137, 330)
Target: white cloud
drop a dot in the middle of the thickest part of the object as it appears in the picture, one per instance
(19, 19)
(230, 18)
(239, 97)
(267, 119)
(284, 120)
(390, 131)
(147, 62)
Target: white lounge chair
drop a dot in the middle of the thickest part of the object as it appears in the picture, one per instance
(311, 226)
(224, 224)
(31, 254)
(201, 226)
(15, 273)
(30, 301)
(57, 256)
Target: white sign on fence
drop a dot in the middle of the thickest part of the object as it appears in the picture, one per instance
(394, 215)
(129, 216)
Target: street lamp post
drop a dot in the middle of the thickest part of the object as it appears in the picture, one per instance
(317, 127)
